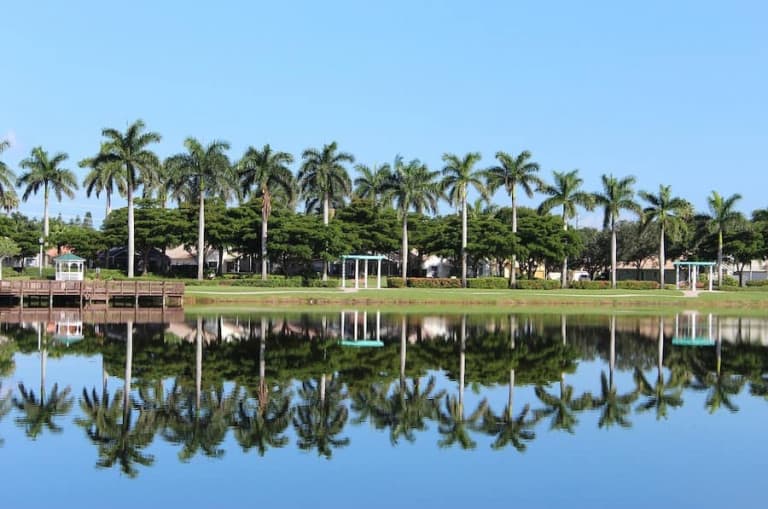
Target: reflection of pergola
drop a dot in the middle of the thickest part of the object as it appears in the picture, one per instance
(693, 273)
(69, 267)
(357, 259)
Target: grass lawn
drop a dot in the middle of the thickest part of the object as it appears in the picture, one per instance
(474, 300)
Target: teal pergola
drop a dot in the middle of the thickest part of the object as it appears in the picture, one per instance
(357, 259)
(693, 273)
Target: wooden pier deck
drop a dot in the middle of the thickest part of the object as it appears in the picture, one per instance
(94, 293)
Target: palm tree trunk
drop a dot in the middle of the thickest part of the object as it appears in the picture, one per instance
(109, 204)
(662, 260)
(264, 219)
(46, 221)
(613, 252)
(564, 274)
(660, 359)
(612, 355)
(201, 238)
(404, 248)
(462, 364)
(464, 240)
(198, 362)
(403, 345)
(510, 398)
(131, 232)
(263, 393)
(326, 207)
(512, 270)
(719, 258)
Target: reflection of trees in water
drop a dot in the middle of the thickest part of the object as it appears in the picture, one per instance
(5, 405)
(321, 416)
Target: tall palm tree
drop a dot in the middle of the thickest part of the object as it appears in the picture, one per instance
(663, 394)
(667, 211)
(322, 416)
(412, 185)
(8, 198)
(617, 195)
(566, 193)
(511, 172)
(722, 216)
(264, 172)
(105, 177)
(371, 183)
(129, 150)
(44, 172)
(459, 175)
(323, 178)
(206, 172)
(616, 407)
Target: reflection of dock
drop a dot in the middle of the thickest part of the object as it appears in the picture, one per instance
(364, 340)
(93, 292)
(690, 332)
(103, 315)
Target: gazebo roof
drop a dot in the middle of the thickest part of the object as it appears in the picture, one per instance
(69, 257)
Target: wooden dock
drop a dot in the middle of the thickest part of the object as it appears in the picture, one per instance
(94, 293)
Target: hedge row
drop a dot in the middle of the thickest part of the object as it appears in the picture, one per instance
(590, 285)
(538, 284)
(488, 283)
(434, 282)
(637, 285)
(763, 282)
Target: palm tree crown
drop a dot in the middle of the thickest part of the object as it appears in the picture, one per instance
(371, 183)
(458, 176)
(8, 198)
(267, 171)
(667, 211)
(104, 177)
(617, 195)
(46, 172)
(130, 152)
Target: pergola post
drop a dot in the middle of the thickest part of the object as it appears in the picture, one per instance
(710, 278)
(343, 271)
(378, 274)
(365, 275)
(677, 276)
(357, 273)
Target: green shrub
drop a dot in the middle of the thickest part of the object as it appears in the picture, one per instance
(637, 285)
(729, 281)
(590, 285)
(494, 283)
(272, 282)
(434, 282)
(538, 284)
(395, 282)
(757, 284)
(319, 283)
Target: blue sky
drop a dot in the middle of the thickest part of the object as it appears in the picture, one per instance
(671, 92)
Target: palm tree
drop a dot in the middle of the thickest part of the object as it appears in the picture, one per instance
(268, 172)
(668, 212)
(510, 173)
(371, 183)
(566, 192)
(615, 407)
(323, 178)
(411, 185)
(46, 172)
(8, 198)
(458, 175)
(106, 177)
(720, 384)
(130, 151)
(6, 404)
(321, 417)
(722, 216)
(205, 171)
(617, 195)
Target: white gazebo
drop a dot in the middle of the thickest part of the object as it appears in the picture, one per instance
(366, 259)
(693, 273)
(69, 267)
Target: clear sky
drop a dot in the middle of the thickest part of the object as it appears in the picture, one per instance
(671, 92)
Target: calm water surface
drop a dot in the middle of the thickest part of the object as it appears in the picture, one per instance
(366, 409)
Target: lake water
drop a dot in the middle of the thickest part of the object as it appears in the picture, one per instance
(368, 409)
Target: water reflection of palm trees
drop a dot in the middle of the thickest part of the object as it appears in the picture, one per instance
(39, 413)
(5, 405)
(721, 384)
(615, 407)
(321, 416)
(453, 424)
(110, 424)
(664, 393)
